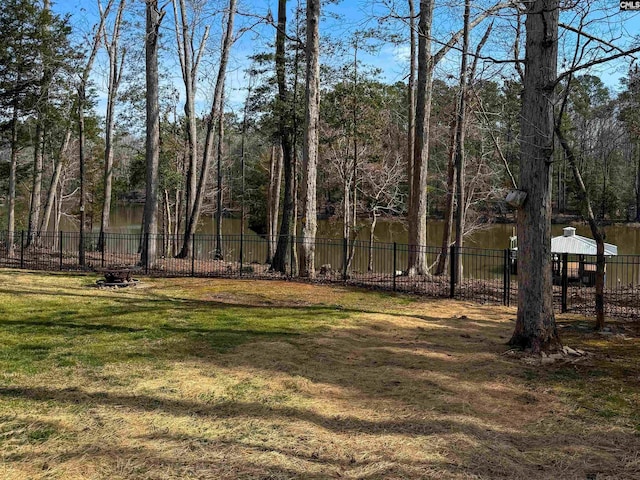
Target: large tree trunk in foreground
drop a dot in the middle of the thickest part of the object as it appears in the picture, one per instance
(310, 152)
(535, 325)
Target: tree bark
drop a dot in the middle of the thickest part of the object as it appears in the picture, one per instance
(417, 261)
(53, 188)
(372, 236)
(284, 130)
(460, 149)
(11, 203)
(150, 216)
(81, 159)
(411, 121)
(535, 325)
(36, 189)
(219, 208)
(273, 200)
(637, 152)
(443, 258)
(310, 152)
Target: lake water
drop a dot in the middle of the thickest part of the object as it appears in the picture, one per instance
(126, 219)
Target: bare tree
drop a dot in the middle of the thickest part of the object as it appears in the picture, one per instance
(82, 92)
(190, 55)
(212, 123)
(116, 65)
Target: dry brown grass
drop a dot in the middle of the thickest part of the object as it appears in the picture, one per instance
(399, 387)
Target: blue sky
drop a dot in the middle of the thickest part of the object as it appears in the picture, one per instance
(355, 15)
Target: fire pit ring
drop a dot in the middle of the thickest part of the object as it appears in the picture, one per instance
(117, 277)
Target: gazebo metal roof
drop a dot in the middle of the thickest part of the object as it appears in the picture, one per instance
(569, 242)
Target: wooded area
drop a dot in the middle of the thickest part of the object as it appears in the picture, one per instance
(511, 90)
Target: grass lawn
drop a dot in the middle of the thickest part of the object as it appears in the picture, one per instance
(226, 379)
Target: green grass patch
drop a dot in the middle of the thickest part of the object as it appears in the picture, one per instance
(202, 378)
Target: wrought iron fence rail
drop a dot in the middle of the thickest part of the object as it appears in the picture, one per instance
(470, 273)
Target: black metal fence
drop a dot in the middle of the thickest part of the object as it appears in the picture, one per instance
(472, 274)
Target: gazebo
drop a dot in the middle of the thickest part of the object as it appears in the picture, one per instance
(576, 245)
(578, 269)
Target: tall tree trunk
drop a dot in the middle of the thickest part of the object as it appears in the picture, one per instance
(535, 328)
(294, 142)
(284, 130)
(637, 153)
(273, 200)
(354, 175)
(35, 204)
(150, 216)
(219, 206)
(209, 144)
(460, 138)
(189, 63)
(372, 236)
(417, 216)
(115, 74)
(443, 258)
(53, 188)
(411, 123)
(417, 261)
(82, 91)
(81, 158)
(13, 166)
(310, 152)
(36, 189)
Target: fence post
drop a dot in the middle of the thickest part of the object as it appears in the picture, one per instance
(102, 242)
(60, 241)
(395, 264)
(345, 247)
(241, 252)
(292, 254)
(146, 253)
(505, 279)
(565, 280)
(453, 271)
(193, 255)
(22, 249)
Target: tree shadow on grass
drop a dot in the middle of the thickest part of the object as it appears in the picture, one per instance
(421, 376)
(512, 444)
